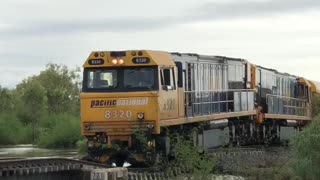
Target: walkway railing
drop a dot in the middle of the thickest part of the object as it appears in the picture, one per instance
(213, 102)
(286, 105)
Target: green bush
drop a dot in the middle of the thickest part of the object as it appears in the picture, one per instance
(187, 156)
(30, 135)
(315, 105)
(306, 148)
(82, 146)
(33, 111)
(12, 131)
(64, 133)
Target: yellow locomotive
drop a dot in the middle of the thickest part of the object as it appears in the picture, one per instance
(132, 101)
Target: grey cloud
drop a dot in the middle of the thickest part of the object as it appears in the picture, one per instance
(241, 9)
(84, 26)
(206, 12)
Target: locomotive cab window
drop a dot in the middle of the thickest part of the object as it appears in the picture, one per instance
(180, 74)
(167, 79)
(139, 78)
(120, 79)
(102, 79)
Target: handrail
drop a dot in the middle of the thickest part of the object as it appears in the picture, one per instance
(285, 97)
(286, 105)
(223, 90)
(206, 102)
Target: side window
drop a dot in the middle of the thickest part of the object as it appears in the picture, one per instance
(167, 79)
(180, 78)
(173, 82)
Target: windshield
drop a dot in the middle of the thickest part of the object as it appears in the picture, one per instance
(137, 78)
(102, 79)
(120, 79)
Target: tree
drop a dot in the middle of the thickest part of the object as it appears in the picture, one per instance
(63, 88)
(306, 148)
(315, 105)
(41, 106)
(34, 107)
(6, 100)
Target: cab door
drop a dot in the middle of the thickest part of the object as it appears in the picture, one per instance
(168, 99)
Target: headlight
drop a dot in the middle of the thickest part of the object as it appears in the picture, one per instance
(151, 144)
(141, 116)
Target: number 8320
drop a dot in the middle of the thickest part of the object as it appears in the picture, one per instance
(121, 114)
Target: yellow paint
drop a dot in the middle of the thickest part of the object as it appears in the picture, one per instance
(253, 76)
(259, 115)
(122, 119)
(119, 117)
(156, 58)
(315, 86)
(181, 100)
(168, 100)
(304, 81)
(284, 116)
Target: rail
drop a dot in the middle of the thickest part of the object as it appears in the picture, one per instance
(213, 102)
(33, 166)
(99, 171)
(286, 105)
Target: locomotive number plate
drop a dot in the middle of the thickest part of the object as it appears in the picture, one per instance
(115, 114)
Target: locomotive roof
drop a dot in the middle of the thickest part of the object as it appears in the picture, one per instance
(209, 57)
(277, 72)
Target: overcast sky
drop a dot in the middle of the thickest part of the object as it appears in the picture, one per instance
(280, 34)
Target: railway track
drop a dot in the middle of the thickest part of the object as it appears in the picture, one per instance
(236, 151)
(10, 167)
(222, 154)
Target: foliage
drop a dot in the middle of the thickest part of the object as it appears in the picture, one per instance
(187, 156)
(82, 146)
(12, 130)
(303, 159)
(34, 106)
(141, 139)
(306, 148)
(42, 109)
(6, 100)
(62, 86)
(315, 105)
(64, 133)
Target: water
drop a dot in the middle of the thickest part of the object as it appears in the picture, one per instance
(31, 151)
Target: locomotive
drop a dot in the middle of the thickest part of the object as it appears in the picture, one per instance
(134, 101)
